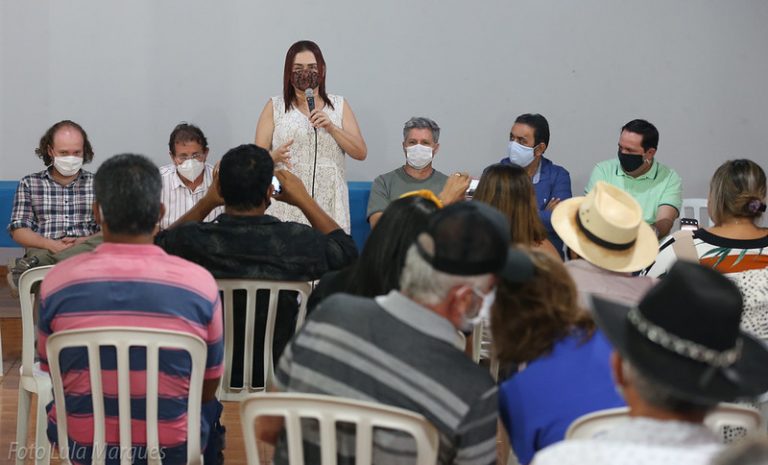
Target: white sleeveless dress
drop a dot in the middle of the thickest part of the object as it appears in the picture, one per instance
(330, 178)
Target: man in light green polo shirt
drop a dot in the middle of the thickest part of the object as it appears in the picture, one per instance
(656, 187)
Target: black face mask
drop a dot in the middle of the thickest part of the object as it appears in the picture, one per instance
(630, 162)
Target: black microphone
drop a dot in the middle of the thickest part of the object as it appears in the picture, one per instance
(310, 99)
(310, 95)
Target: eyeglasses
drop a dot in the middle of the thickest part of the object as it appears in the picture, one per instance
(196, 156)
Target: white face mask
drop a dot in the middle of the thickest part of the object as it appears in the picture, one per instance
(469, 321)
(67, 165)
(190, 169)
(418, 156)
(519, 154)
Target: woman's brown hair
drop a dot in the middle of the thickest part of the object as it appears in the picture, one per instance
(508, 188)
(528, 319)
(289, 93)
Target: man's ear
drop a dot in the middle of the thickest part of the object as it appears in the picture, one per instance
(648, 155)
(461, 299)
(540, 149)
(434, 150)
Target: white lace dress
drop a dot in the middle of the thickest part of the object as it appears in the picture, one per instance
(330, 179)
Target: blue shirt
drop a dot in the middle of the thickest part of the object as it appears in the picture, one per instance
(553, 181)
(539, 403)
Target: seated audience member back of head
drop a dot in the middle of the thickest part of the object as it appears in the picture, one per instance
(246, 243)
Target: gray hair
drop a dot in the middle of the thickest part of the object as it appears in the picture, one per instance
(661, 396)
(421, 122)
(428, 286)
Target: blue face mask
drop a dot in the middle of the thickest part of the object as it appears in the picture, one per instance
(519, 154)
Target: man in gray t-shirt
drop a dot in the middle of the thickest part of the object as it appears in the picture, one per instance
(420, 136)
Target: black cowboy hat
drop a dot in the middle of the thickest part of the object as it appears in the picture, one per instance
(685, 335)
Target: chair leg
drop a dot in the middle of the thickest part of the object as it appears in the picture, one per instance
(22, 424)
(42, 445)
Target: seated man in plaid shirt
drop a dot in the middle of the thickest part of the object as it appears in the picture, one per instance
(52, 215)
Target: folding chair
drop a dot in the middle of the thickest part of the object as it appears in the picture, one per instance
(123, 339)
(725, 414)
(328, 411)
(251, 287)
(32, 380)
(696, 208)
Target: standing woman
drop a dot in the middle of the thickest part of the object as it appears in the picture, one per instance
(311, 144)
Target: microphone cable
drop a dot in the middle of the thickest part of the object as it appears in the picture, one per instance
(314, 165)
(310, 96)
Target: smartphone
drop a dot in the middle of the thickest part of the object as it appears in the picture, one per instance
(276, 184)
(690, 224)
(472, 188)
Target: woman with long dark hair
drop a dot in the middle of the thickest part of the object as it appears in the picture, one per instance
(311, 143)
(377, 270)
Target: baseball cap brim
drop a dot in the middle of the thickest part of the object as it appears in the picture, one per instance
(518, 268)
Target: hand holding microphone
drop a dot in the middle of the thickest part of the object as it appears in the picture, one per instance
(318, 119)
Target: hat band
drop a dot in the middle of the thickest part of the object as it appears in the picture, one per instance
(602, 242)
(688, 349)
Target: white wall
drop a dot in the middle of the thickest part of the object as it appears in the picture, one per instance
(129, 71)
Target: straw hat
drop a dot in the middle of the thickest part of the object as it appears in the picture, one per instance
(606, 228)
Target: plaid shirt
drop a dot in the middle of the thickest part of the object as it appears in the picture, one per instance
(52, 210)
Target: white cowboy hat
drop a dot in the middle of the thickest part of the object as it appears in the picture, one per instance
(606, 228)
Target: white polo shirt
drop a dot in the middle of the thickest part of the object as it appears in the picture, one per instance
(179, 199)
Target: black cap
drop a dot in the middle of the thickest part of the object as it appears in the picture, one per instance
(472, 238)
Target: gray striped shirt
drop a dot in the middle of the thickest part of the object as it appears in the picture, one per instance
(396, 352)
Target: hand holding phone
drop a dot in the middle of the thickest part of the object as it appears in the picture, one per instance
(472, 188)
(276, 184)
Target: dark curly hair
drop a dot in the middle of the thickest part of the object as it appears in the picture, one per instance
(528, 319)
(46, 142)
(185, 132)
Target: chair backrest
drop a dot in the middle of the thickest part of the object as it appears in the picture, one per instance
(122, 339)
(27, 281)
(328, 411)
(725, 414)
(696, 208)
(251, 287)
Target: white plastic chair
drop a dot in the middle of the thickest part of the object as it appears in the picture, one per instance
(696, 208)
(32, 380)
(725, 414)
(329, 410)
(251, 287)
(123, 338)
